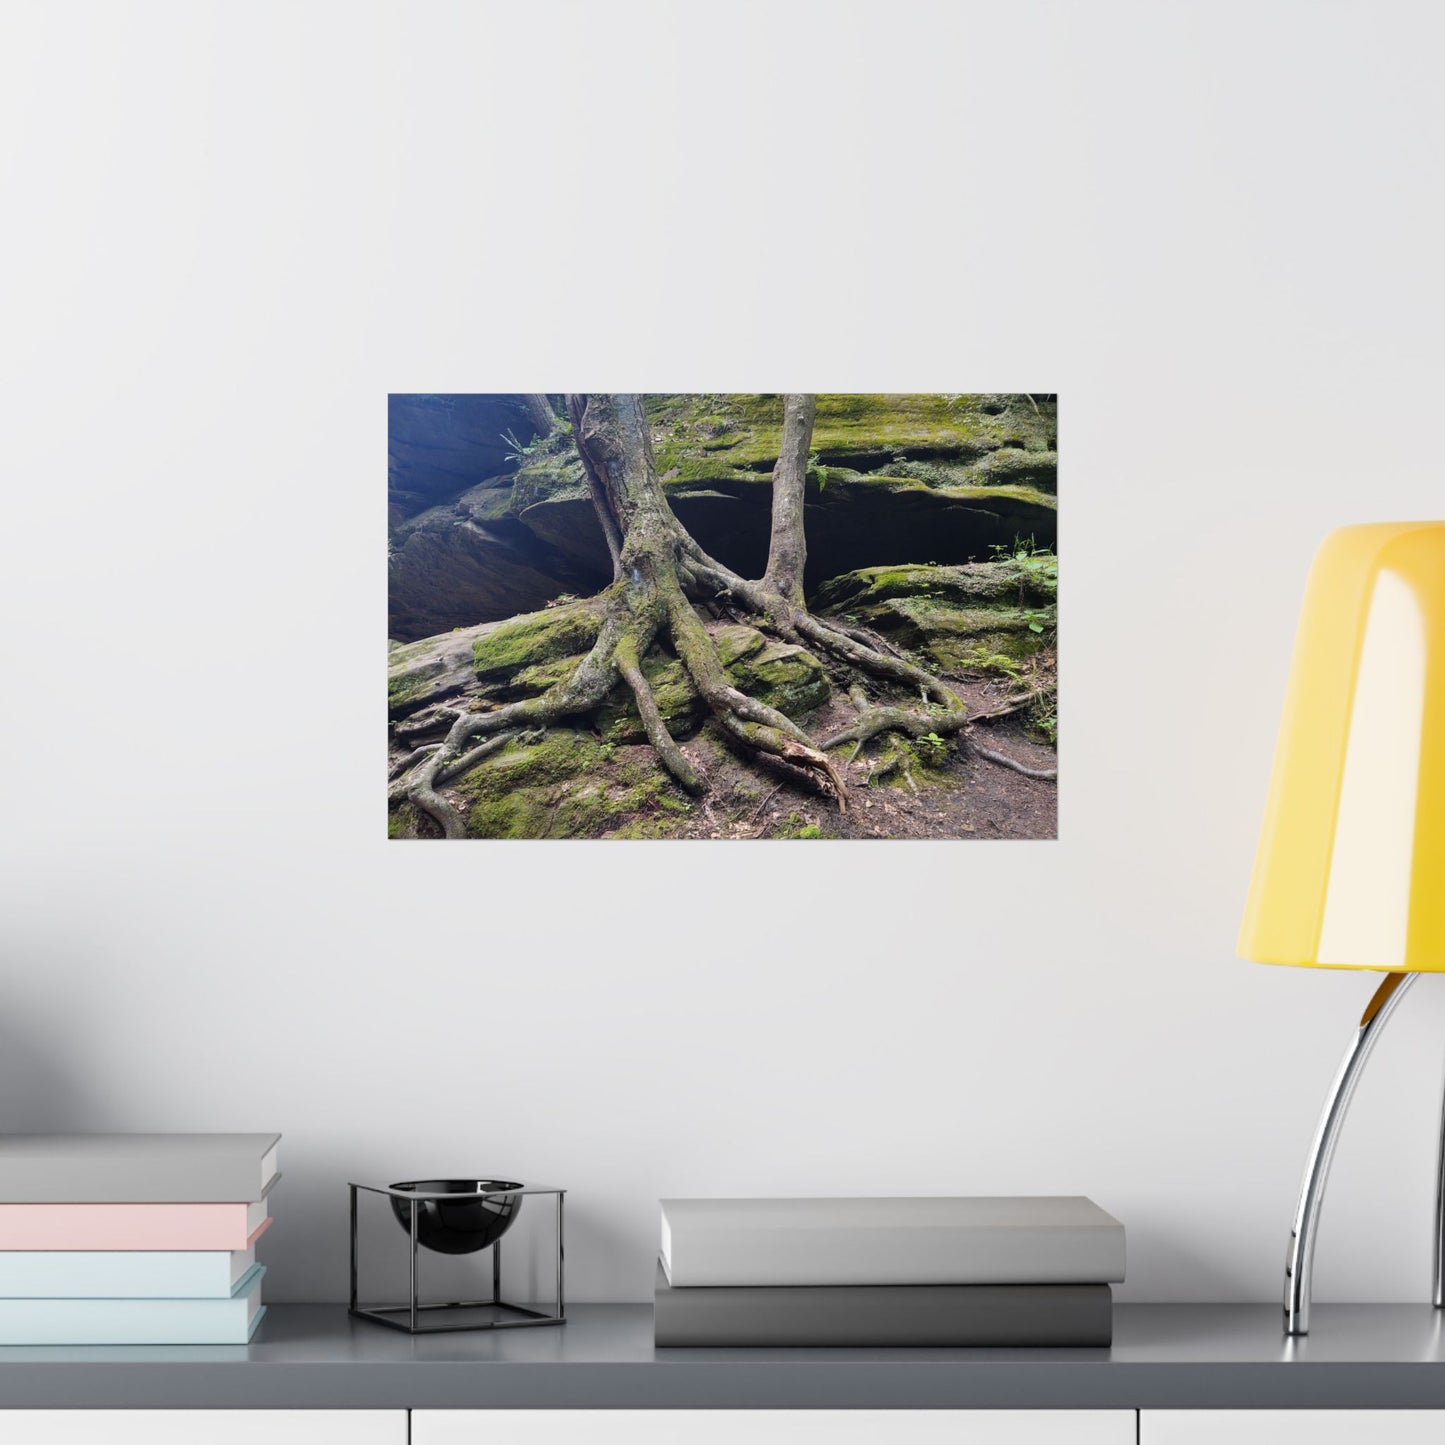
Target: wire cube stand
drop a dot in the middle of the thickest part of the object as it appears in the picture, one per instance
(416, 1318)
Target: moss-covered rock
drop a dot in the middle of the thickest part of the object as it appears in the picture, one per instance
(1024, 468)
(976, 584)
(681, 708)
(986, 617)
(536, 638)
(780, 674)
(943, 479)
(567, 784)
(850, 429)
(419, 674)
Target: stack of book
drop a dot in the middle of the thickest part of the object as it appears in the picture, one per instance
(881, 1272)
(132, 1239)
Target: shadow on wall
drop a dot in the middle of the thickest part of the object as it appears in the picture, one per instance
(40, 1091)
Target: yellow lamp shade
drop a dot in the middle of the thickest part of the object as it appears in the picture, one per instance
(1350, 871)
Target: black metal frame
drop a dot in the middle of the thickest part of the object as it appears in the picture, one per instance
(413, 1318)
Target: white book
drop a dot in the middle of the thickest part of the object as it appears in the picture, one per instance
(230, 1321)
(1049, 1239)
(123, 1274)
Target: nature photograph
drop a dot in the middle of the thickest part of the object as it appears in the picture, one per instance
(722, 616)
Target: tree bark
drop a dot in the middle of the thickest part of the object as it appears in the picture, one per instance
(788, 547)
(539, 409)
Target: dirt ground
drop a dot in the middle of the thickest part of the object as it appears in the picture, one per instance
(968, 797)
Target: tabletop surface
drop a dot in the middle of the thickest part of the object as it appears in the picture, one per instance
(1163, 1357)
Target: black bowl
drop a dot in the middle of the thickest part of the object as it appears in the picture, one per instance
(462, 1225)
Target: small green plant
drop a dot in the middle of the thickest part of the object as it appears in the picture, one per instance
(817, 469)
(1035, 563)
(931, 750)
(999, 662)
(562, 599)
(793, 826)
(523, 451)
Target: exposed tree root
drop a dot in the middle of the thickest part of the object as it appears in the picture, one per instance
(407, 763)
(584, 689)
(750, 722)
(481, 753)
(1048, 775)
(663, 744)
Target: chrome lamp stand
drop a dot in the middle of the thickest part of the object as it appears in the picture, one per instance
(1299, 1266)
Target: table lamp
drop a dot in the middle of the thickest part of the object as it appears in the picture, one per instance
(1350, 871)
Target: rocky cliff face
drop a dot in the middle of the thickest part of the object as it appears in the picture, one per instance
(488, 520)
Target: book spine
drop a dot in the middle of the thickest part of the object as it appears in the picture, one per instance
(912, 1316)
(213, 1175)
(125, 1227)
(716, 1255)
(132, 1321)
(123, 1274)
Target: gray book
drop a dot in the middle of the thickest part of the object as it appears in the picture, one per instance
(136, 1168)
(1049, 1239)
(883, 1316)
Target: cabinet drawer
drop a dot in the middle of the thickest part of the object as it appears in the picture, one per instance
(773, 1427)
(1291, 1427)
(192, 1427)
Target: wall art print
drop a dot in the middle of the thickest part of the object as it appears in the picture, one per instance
(724, 616)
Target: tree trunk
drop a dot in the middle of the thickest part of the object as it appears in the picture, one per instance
(788, 548)
(539, 409)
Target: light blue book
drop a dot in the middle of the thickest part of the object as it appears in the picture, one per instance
(122, 1274)
(229, 1321)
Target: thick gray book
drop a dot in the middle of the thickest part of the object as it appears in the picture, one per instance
(883, 1315)
(1046, 1239)
(136, 1168)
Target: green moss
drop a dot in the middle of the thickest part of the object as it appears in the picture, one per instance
(784, 676)
(568, 785)
(680, 706)
(531, 681)
(401, 821)
(729, 439)
(404, 684)
(1027, 468)
(488, 503)
(1031, 580)
(795, 826)
(745, 430)
(537, 637)
(788, 678)
(985, 616)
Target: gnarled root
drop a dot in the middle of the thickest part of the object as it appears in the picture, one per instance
(744, 718)
(585, 688)
(663, 743)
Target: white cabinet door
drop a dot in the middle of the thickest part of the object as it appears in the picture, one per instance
(202, 1427)
(773, 1427)
(1291, 1427)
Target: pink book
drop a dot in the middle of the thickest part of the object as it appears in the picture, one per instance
(132, 1226)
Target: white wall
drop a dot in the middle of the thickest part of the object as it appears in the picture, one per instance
(1215, 230)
